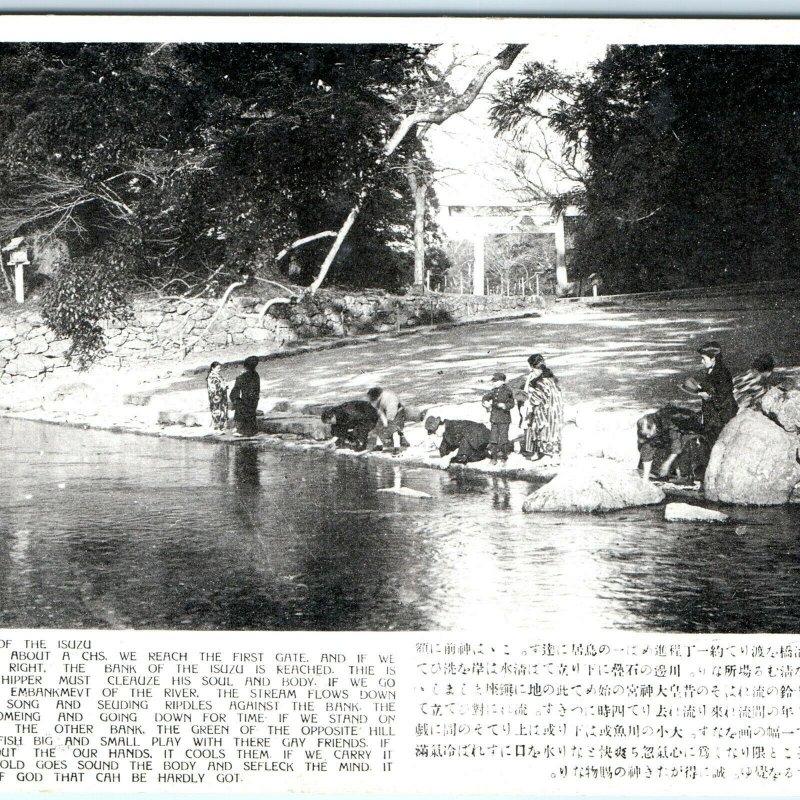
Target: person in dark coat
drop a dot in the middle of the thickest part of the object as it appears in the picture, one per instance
(469, 439)
(244, 398)
(670, 440)
(715, 389)
(351, 423)
(499, 401)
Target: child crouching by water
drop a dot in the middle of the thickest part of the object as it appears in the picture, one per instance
(670, 440)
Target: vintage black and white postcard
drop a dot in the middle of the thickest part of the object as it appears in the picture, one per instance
(394, 404)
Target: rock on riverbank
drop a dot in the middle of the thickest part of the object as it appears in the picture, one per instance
(684, 512)
(594, 485)
(754, 462)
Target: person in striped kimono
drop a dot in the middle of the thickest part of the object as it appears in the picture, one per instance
(751, 386)
(543, 412)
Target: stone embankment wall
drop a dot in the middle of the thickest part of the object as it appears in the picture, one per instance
(168, 329)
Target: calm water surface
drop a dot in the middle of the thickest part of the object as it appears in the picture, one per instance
(103, 530)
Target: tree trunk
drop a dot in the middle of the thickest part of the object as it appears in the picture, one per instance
(340, 237)
(562, 279)
(419, 191)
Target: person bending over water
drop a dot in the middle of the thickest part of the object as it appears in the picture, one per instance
(667, 435)
(351, 423)
(469, 439)
(391, 418)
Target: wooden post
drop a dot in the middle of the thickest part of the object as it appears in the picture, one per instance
(561, 253)
(19, 283)
(479, 268)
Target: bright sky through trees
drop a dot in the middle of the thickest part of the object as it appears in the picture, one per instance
(465, 150)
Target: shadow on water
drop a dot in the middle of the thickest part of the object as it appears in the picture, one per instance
(117, 531)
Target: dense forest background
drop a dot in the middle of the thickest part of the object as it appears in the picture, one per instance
(689, 160)
(171, 161)
(181, 164)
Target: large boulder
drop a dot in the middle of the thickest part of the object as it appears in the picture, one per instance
(754, 462)
(594, 485)
(783, 405)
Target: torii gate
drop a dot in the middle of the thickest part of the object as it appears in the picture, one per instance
(509, 221)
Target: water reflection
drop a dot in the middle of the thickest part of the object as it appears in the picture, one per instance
(114, 531)
(501, 493)
(245, 468)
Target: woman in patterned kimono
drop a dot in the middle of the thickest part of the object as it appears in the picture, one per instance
(543, 412)
(217, 397)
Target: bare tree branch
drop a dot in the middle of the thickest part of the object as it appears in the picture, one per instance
(641, 218)
(300, 242)
(436, 116)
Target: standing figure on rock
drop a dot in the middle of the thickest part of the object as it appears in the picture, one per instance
(499, 401)
(244, 398)
(715, 389)
(751, 386)
(543, 412)
(469, 439)
(217, 397)
(391, 419)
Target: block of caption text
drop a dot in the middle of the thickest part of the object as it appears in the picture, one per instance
(153, 711)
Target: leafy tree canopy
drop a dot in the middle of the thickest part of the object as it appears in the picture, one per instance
(692, 160)
(172, 160)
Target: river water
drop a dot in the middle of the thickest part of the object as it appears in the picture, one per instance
(105, 530)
